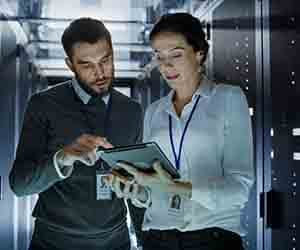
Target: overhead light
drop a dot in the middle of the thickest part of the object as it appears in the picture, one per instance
(95, 3)
(207, 7)
(60, 64)
(120, 26)
(68, 73)
(116, 46)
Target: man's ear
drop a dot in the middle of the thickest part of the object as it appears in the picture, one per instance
(69, 64)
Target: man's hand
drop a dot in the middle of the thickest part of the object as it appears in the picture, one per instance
(83, 149)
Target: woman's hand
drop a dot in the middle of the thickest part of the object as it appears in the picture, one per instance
(161, 179)
(125, 188)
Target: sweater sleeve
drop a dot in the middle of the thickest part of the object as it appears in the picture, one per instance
(33, 170)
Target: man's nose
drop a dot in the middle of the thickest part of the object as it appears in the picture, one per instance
(99, 70)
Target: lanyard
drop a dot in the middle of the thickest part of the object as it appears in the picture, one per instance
(177, 157)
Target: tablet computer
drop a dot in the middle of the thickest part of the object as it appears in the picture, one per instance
(140, 156)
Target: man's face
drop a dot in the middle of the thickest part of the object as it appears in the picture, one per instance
(92, 64)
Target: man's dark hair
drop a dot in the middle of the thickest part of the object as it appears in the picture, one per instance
(84, 30)
(186, 25)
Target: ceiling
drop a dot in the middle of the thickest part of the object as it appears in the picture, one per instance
(42, 22)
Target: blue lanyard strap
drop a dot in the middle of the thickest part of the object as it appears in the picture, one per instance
(177, 157)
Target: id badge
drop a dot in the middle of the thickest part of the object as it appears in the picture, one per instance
(176, 206)
(103, 191)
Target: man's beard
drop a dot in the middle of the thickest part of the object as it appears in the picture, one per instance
(88, 89)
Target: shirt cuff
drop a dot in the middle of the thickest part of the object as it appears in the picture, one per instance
(143, 204)
(62, 171)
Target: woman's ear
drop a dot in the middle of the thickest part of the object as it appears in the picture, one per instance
(200, 56)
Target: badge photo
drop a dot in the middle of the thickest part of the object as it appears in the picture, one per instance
(175, 202)
(103, 191)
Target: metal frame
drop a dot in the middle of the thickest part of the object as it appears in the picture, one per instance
(264, 119)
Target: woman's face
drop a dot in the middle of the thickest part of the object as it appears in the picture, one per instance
(178, 63)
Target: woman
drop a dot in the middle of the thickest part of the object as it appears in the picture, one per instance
(204, 128)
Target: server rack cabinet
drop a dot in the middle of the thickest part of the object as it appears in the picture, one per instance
(255, 44)
(283, 220)
(18, 81)
(233, 49)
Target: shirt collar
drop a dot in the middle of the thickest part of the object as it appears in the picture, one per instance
(205, 89)
(83, 95)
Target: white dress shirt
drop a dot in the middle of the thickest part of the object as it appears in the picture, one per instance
(217, 158)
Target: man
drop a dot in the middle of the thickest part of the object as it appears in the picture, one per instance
(56, 156)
